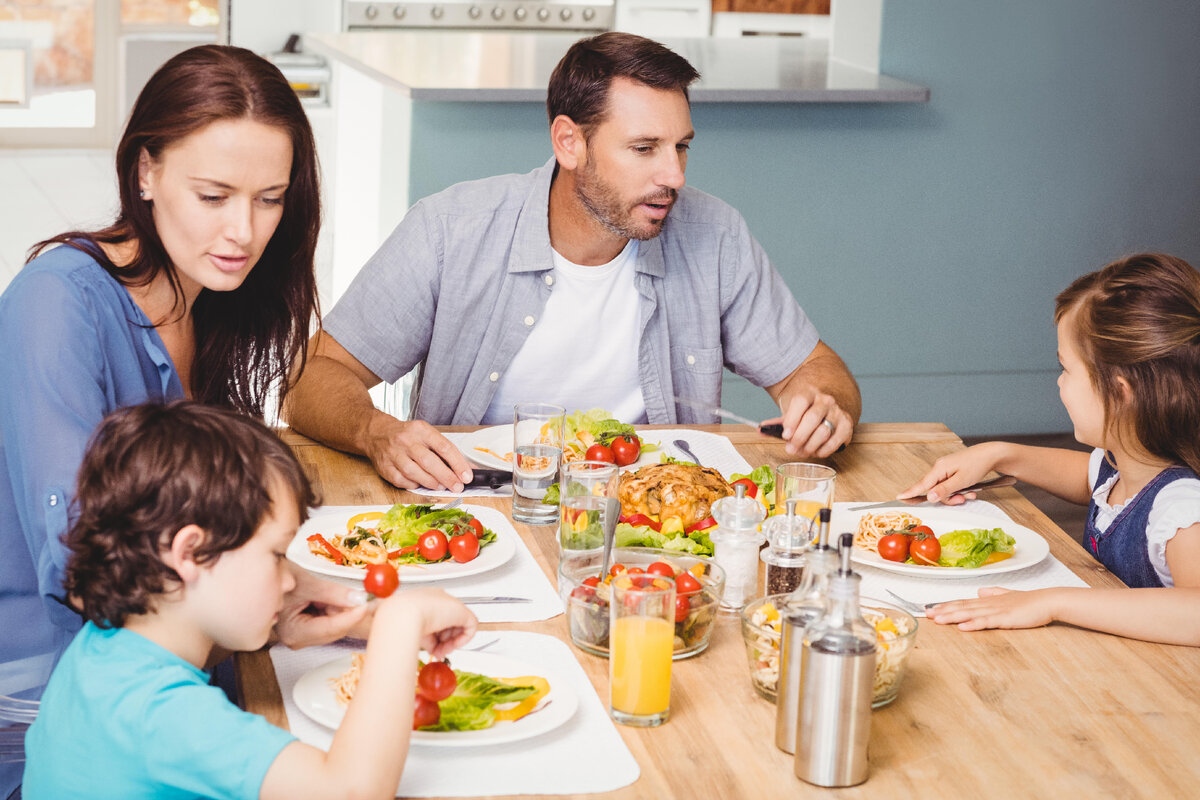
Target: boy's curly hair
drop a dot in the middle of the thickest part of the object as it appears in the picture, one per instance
(1137, 320)
(152, 469)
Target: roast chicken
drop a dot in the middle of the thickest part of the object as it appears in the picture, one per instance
(672, 490)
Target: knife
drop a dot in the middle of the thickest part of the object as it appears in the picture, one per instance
(482, 600)
(490, 478)
(775, 429)
(908, 502)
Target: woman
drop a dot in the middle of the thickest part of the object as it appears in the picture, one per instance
(203, 287)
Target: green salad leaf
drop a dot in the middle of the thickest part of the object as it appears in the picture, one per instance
(970, 548)
(470, 707)
(697, 543)
(402, 525)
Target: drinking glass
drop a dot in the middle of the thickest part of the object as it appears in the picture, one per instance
(641, 639)
(810, 485)
(537, 451)
(585, 487)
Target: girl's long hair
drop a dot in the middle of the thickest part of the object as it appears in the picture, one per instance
(1138, 319)
(246, 339)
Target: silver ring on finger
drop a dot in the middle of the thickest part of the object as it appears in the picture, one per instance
(830, 425)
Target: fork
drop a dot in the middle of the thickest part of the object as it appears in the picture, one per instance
(453, 504)
(907, 605)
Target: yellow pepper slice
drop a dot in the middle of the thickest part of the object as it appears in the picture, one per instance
(525, 706)
(358, 519)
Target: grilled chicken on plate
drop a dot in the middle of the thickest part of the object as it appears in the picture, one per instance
(672, 490)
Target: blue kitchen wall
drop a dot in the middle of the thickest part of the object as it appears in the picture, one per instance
(927, 241)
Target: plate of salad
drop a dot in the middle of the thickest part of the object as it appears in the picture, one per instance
(939, 542)
(342, 544)
(492, 447)
(489, 688)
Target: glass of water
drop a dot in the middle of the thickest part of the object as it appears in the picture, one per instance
(585, 489)
(537, 453)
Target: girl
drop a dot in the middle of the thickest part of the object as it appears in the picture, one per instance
(203, 287)
(1129, 345)
(185, 514)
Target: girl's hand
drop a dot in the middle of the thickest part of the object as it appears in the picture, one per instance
(996, 608)
(953, 472)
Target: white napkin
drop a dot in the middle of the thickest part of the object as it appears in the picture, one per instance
(713, 450)
(520, 576)
(1048, 573)
(585, 755)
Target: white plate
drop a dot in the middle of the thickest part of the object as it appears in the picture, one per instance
(315, 697)
(1030, 547)
(499, 439)
(329, 525)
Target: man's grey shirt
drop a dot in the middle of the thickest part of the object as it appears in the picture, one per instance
(460, 282)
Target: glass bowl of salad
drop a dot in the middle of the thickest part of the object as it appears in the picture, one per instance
(895, 636)
(699, 583)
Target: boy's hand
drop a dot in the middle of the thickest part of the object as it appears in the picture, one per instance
(444, 623)
(317, 612)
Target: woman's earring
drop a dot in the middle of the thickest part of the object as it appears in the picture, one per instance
(142, 193)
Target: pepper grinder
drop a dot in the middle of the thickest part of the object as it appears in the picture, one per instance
(837, 677)
(802, 608)
(788, 537)
(736, 541)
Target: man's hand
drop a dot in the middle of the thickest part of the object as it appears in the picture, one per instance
(413, 454)
(820, 403)
(317, 611)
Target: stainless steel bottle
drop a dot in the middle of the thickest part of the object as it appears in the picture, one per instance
(806, 604)
(837, 669)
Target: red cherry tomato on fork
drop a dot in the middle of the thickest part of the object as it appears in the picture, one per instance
(432, 545)
(381, 579)
(626, 449)
(599, 452)
(464, 547)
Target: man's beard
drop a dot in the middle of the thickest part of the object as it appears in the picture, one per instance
(606, 207)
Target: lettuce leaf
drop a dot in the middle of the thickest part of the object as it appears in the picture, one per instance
(697, 543)
(970, 548)
(403, 524)
(470, 707)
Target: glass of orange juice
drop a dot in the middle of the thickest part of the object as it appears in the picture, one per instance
(810, 485)
(641, 638)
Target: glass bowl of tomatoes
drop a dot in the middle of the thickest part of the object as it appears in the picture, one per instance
(895, 635)
(699, 583)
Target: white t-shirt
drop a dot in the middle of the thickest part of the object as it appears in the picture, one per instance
(1176, 506)
(583, 352)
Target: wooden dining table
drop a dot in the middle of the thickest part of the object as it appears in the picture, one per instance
(1056, 711)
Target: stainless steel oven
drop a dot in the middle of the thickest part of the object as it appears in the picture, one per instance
(506, 15)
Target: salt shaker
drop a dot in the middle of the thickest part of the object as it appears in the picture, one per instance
(788, 537)
(806, 604)
(736, 541)
(837, 668)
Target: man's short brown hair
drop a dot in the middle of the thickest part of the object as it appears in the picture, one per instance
(579, 84)
(153, 469)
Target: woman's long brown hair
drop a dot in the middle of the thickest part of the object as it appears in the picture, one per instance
(246, 339)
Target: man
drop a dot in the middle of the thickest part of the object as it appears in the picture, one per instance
(598, 280)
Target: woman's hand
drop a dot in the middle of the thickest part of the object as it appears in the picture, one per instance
(317, 611)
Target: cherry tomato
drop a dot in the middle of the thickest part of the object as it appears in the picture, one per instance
(436, 681)
(626, 449)
(683, 607)
(464, 547)
(477, 525)
(582, 592)
(425, 712)
(432, 545)
(751, 486)
(686, 584)
(381, 579)
(661, 568)
(640, 520)
(592, 581)
(599, 452)
(893, 547)
(616, 569)
(925, 550)
(636, 571)
(916, 530)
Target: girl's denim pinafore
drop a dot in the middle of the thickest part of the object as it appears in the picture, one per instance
(1123, 548)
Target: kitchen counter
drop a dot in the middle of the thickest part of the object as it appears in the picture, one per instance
(458, 66)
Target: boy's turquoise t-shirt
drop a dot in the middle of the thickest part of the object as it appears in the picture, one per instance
(124, 718)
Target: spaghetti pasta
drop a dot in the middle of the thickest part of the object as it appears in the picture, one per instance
(346, 684)
(873, 527)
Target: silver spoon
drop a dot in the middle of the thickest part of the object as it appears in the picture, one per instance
(683, 448)
(612, 509)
